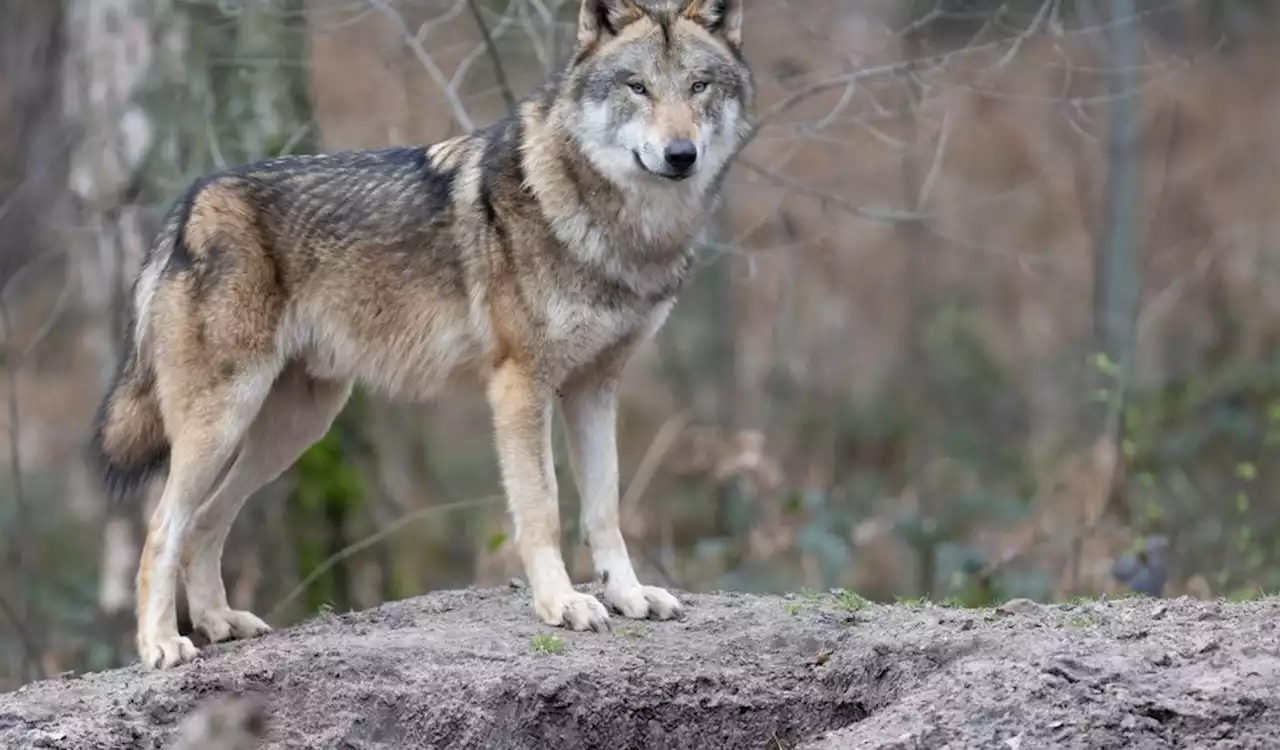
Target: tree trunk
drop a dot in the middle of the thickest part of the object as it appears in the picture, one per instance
(32, 178)
(156, 103)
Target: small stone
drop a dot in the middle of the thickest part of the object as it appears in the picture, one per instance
(49, 739)
(1212, 612)
(1159, 611)
(1019, 607)
(516, 584)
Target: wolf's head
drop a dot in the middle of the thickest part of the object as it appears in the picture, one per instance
(660, 91)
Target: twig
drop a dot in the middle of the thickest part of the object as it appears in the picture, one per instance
(828, 198)
(652, 459)
(295, 139)
(935, 169)
(499, 71)
(433, 70)
(215, 148)
(936, 61)
(371, 540)
(1026, 33)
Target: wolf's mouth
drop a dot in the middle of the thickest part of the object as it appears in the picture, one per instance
(673, 176)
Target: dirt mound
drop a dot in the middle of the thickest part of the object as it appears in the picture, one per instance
(472, 669)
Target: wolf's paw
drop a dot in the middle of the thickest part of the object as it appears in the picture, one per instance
(165, 652)
(230, 625)
(572, 610)
(639, 602)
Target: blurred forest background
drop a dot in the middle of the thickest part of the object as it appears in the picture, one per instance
(992, 308)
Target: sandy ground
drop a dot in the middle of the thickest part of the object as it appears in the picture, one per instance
(463, 670)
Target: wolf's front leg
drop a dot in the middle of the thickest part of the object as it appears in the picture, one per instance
(590, 412)
(522, 426)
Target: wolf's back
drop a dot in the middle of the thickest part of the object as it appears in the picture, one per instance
(282, 218)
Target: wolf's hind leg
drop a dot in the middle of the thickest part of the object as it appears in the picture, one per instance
(298, 411)
(590, 414)
(208, 421)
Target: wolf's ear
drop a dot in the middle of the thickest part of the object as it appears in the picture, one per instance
(599, 18)
(717, 16)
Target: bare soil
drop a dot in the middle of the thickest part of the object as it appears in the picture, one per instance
(463, 670)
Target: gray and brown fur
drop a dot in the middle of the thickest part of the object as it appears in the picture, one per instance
(533, 256)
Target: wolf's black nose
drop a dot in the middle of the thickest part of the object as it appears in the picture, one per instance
(681, 155)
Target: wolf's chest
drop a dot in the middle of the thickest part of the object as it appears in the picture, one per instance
(576, 331)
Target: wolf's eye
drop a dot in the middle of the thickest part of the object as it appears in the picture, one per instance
(699, 86)
(638, 88)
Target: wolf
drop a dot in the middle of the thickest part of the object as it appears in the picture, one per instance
(530, 258)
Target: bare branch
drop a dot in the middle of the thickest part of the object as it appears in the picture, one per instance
(498, 70)
(829, 199)
(931, 178)
(371, 540)
(415, 44)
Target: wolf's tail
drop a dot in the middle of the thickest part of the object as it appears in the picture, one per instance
(128, 443)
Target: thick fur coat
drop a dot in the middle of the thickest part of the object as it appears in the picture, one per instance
(533, 256)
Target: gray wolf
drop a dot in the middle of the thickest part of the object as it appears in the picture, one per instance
(532, 257)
